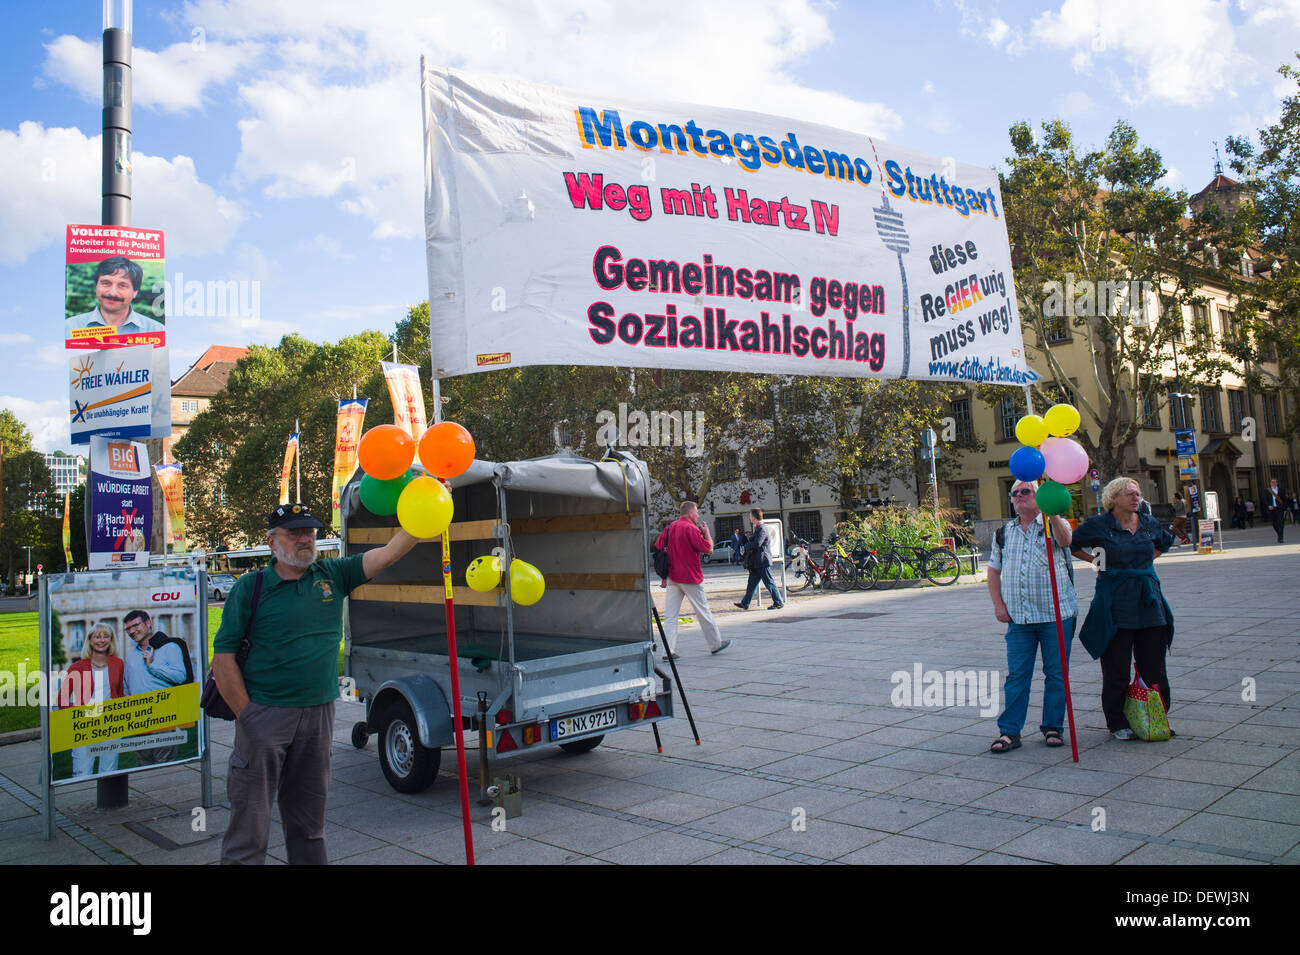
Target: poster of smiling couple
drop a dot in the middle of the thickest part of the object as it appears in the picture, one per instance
(123, 659)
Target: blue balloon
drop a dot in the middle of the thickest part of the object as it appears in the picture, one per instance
(1027, 464)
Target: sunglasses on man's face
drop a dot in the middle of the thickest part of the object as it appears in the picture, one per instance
(1022, 492)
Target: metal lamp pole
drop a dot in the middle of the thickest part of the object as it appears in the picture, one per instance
(115, 178)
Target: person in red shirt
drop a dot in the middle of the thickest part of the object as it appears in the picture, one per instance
(685, 539)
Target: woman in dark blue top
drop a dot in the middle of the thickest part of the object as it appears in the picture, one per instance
(1129, 619)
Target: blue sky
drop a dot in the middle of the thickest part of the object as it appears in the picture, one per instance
(278, 141)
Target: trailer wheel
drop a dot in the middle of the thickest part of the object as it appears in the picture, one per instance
(580, 746)
(408, 766)
(359, 735)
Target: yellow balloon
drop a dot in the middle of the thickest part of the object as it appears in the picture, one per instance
(1031, 431)
(424, 509)
(526, 582)
(483, 573)
(1062, 420)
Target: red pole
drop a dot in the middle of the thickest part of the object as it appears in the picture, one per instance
(455, 698)
(1060, 633)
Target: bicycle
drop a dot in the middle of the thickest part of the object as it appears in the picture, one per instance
(836, 567)
(867, 564)
(939, 565)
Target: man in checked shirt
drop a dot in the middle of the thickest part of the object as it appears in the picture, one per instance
(1022, 599)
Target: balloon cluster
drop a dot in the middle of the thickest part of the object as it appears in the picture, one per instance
(423, 504)
(1049, 451)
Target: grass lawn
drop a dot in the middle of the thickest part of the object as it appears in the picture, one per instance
(19, 641)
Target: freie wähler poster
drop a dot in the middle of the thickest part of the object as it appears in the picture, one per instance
(119, 393)
(569, 227)
(120, 496)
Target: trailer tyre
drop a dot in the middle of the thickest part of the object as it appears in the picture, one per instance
(580, 746)
(359, 735)
(408, 766)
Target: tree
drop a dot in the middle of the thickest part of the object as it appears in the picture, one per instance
(1267, 228)
(28, 490)
(14, 435)
(1084, 227)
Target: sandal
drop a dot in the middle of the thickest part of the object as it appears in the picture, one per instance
(1053, 738)
(1005, 743)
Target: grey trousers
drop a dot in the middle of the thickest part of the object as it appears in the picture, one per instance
(284, 751)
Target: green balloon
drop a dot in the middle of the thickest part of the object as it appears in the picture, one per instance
(380, 497)
(1053, 498)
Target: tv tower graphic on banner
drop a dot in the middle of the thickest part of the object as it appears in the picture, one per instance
(889, 223)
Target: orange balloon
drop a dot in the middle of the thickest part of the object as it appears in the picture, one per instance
(386, 452)
(446, 450)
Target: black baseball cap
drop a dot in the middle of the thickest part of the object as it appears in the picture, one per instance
(291, 516)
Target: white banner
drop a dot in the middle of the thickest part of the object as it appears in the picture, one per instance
(564, 228)
(119, 393)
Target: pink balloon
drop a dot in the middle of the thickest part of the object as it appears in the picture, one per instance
(1065, 460)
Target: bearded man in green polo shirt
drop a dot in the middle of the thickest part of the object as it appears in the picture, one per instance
(284, 699)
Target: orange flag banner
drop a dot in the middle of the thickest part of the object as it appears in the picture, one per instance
(352, 416)
(408, 399)
(289, 451)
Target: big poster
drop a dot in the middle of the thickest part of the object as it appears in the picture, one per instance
(119, 493)
(571, 228)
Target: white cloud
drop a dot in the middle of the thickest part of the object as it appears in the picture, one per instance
(50, 177)
(1178, 51)
(997, 31)
(173, 79)
(1076, 103)
(1173, 175)
(14, 338)
(47, 421)
(339, 117)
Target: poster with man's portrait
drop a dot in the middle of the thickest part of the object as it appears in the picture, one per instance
(123, 652)
(113, 287)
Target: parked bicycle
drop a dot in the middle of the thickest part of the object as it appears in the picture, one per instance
(836, 568)
(867, 564)
(939, 565)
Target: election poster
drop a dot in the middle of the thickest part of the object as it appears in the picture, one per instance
(119, 393)
(113, 287)
(575, 228)
(120, 499)
(347, 439)
(122, 657)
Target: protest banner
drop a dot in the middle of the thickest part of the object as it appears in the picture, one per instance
(408, 400)
(113, 287)
(140, 632)
(119, 393)
(347, 437)
(171, 480)
(119, 497)
(290, 451)
(564, 228)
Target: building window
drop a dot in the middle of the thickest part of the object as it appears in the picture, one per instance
(761, 463)
(961, 415)
(727, 469)
(1150, 413)
(1201, 322)
(966, 497)
(1272, 421)
(1236, 408)
(794, 400)
(806, 524)
(1211, 421)
(1178, 417)
(1056, 328)
(1228, 323)
(723, 527)
(1008, 415)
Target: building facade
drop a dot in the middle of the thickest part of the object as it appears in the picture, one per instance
(67, 471)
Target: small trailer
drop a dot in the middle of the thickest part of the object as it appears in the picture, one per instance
(566, 671)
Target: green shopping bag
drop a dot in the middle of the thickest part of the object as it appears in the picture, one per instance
(1145, 711)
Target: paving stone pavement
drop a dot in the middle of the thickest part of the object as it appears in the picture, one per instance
(806, 760)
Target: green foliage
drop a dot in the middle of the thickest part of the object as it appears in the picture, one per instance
(905, 526)
(1078, 218)
(28, 493)
(14, 435)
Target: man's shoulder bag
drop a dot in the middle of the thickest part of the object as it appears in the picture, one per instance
(660, 557)
(211, 700)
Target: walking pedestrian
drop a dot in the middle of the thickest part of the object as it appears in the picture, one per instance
(758, 559)
(1239, 513)
(1275, 507)
(1180, 518)
(1020, 585)
(1129, 620)
(1250, 514)
(684, 540)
